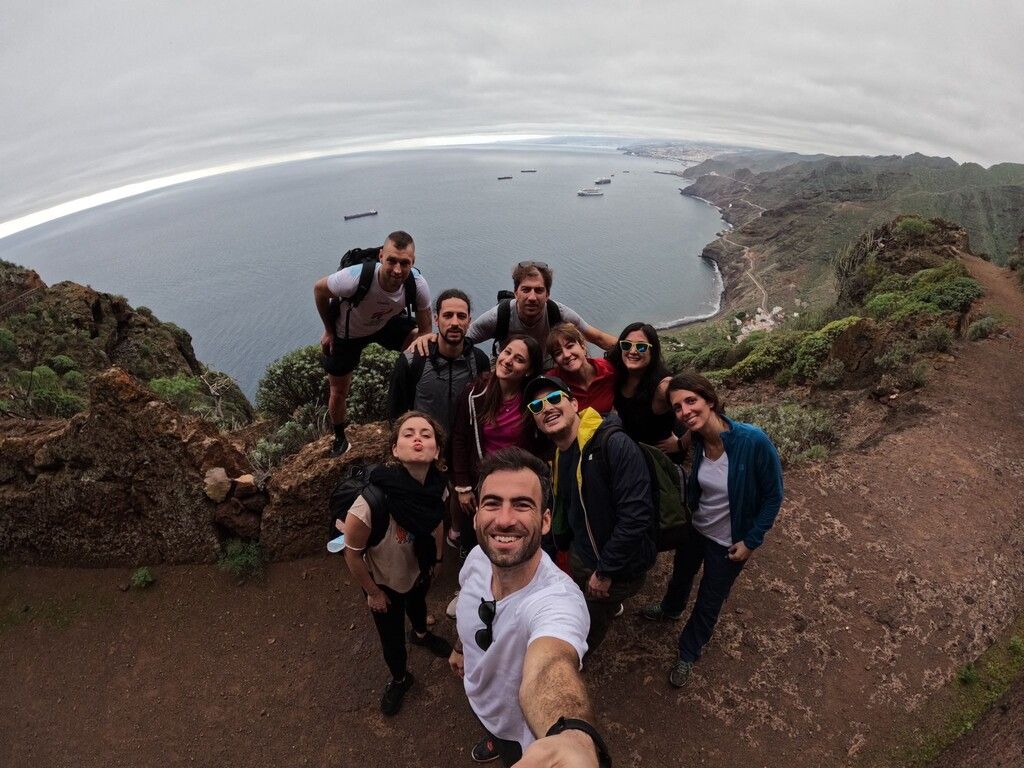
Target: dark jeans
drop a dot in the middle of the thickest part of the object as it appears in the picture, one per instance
(719, 574)
(391, 624)
(603, 610)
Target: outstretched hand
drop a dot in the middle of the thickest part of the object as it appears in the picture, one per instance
(568, 749)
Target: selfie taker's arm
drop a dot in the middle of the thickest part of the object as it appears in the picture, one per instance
(552, 688)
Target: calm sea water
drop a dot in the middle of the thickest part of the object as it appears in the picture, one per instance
(233, 258)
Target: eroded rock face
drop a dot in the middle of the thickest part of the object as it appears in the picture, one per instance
(120, 484)
(295, 521)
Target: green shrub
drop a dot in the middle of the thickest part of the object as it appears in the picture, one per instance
(680, 359)
(242, 559)
(830, 374)
(795, 430)
(776, 350)
(914, 376)
(1016, 645)
(142, 578)
(935, 338)
(41, 393)
(8, 346)
(74, 380)
(56, 402)
(912, 230)
(181, 390)
(712, 357)
(968, 675)
(288, 439)
(61, 364)
(292, 382)
(982, 328)
(955, 295)
(895, 357)
(815, 347)
(367, 400)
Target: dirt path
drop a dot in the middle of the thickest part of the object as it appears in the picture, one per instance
(891, 565)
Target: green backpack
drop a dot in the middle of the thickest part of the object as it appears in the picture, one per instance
(671, 511)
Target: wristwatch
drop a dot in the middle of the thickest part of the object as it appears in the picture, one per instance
(604, 760)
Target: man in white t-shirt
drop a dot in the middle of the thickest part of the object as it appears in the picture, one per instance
(522, 627)
(381, 316)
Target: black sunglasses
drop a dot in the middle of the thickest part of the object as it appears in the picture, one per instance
(527, 264)
(536, 406)
(641, 346)
(487, 611)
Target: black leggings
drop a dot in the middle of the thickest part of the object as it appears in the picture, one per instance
(391, 623)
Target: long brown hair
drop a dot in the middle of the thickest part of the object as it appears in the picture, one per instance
(699, 385)
(492, 393)
(439, 436)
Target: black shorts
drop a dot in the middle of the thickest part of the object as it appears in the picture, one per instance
(346, 352)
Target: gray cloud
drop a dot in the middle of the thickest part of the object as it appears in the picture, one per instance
(100, 94)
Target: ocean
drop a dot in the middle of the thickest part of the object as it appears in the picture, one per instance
(233, 258)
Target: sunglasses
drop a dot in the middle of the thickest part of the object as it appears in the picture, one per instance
(528, 264)
(536, 406)
(486, 612)
(641, 346)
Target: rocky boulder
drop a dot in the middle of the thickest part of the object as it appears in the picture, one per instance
(295, 520)
(120, 484)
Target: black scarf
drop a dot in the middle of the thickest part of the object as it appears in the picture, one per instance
(417, 507)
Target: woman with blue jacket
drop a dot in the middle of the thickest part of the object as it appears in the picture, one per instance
(734, 490)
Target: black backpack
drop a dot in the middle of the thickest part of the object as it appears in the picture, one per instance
(355, 482)
(505, 317)
(368, 258)
(670, 509)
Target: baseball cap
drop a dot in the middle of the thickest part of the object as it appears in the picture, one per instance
(544, 382)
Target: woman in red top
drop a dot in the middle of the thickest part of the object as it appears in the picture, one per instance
(590, 379)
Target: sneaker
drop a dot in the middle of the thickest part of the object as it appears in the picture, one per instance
(679, 673)
(621, 610)
(484, 751)
(450, 610)
(436, 645)
(654, 612)
(455, 542)
(340, 446)
(394, 692)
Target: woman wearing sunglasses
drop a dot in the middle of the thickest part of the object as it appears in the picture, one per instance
(641, 384)
(490, 416)
(395, 572)
(591, 380)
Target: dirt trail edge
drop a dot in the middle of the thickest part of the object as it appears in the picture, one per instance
(891, 565)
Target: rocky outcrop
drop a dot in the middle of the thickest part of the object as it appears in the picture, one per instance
(296, 521)
(120, 484)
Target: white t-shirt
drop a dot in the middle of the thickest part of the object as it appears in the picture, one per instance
(377, 307)
(712, 518)
(551, 605)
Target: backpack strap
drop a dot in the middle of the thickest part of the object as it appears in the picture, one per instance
(478, 362)
(501, 329)
(379, 519)
(366, 274)
(410, 293)
(554, 314)
(416, 366)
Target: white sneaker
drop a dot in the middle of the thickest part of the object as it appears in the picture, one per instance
(450, 610)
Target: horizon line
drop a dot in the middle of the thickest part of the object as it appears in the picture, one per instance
(125, 191)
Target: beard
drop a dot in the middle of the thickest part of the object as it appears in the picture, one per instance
(454, 335)
(526, 549)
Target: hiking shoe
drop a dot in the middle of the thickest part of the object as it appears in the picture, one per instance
(436, 645)
(654, 612)
(484, 751)
(450, 610)
(394, 692)
(621, 610)
(340, 446)
(679, 673)
(455, 542)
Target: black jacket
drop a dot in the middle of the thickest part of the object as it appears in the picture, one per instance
(616, 519)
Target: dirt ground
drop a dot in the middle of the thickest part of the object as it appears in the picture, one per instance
(891, 564)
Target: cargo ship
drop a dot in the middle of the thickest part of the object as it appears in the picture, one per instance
(360, 215)
(528, 170)
(603, 180)
(590, 192)
(502, 178)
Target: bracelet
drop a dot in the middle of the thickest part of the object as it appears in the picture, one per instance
(604, 760)
(463, 488)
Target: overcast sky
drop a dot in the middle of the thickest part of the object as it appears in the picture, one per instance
(95, 94)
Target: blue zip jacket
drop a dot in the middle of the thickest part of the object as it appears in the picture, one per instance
(755, 481)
